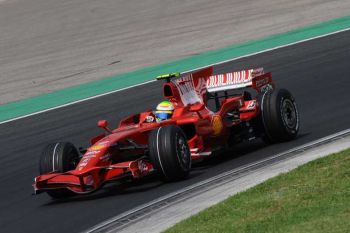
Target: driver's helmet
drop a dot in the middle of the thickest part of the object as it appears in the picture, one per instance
(164, 110)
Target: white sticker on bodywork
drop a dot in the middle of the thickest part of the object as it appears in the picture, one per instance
(251, 104)
(187, 90)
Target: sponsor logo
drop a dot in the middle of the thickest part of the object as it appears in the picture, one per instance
(105, 157)
(89, 156)
(84, 162)
(257, 72)
(187, 90)
(92, 153)
(217, 124)
(149, 119)
(103, 142)
(82, 165)
(262, 82)
(234, 78)
(251, 104)
(142, 166)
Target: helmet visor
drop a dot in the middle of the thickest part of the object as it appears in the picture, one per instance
(161, 116)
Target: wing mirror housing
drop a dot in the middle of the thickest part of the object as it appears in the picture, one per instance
(104, 125)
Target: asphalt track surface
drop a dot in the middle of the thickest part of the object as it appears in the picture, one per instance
(316, 72)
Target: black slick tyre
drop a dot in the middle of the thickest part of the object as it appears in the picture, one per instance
(58, 157)
(279, 116)
(169, 152)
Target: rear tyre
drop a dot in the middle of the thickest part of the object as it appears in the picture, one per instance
(279, 115)
(169, 152)
(59, 157)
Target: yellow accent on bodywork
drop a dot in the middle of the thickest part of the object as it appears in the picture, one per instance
(217, 124)
(96, 147)
(171, 75)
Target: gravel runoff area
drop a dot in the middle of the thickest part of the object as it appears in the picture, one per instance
(46, 45)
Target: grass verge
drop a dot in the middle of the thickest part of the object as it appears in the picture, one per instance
(312, 198)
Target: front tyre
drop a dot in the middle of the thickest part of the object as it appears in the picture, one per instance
(280, 117)
(59, 157)
(169, 152)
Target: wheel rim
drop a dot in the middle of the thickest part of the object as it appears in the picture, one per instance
(289, 114)
(183, 152)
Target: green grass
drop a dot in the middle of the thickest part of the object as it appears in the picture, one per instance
(312, 198)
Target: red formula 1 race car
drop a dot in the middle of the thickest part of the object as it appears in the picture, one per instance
(143, 144)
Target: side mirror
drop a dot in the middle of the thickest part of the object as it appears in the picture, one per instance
(104, 125)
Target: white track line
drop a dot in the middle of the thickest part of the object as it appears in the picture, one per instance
(140, 84)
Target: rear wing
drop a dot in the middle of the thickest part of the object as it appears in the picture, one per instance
(191, 88)
(255, 78)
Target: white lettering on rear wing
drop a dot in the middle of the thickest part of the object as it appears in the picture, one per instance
(233, 80)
